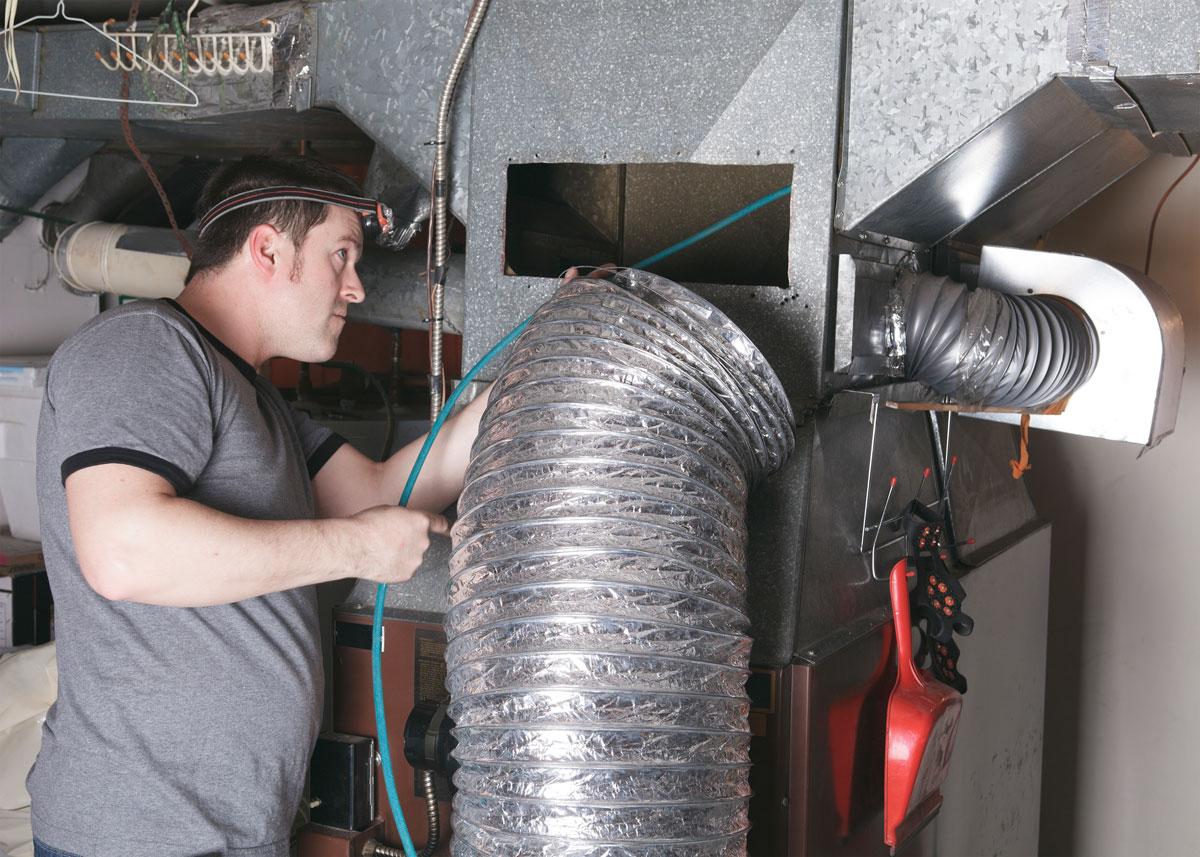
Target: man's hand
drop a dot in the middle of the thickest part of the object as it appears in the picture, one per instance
(598, 273)
(394, 540)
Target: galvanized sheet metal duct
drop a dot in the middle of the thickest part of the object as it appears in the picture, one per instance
(984, 347)
(30, 167)
(597, 629)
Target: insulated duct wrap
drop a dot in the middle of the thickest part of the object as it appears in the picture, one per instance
(987, 348)
(597, 652)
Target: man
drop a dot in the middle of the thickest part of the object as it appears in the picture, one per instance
(187, 512)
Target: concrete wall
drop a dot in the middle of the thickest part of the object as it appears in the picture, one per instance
(1121, 772)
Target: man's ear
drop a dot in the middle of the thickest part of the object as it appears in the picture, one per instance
(266, 248)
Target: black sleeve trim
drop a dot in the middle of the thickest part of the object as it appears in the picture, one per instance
(323, 453)
(173, 473)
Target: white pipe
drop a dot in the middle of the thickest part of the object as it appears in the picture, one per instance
(120, 259)
(145, 262)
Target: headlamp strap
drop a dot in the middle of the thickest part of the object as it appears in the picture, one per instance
(376, 217)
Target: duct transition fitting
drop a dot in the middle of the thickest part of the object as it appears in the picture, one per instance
(986, 348)
(597, 652)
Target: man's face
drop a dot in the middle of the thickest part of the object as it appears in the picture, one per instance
(323, 283)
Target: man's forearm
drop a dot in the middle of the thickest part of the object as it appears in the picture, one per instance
(441, 478)
(178, 553)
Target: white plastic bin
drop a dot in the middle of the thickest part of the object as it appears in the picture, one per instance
(22, 383)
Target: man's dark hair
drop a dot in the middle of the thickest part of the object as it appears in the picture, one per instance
(224, 238)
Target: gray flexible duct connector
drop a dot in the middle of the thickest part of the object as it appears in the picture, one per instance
(988, 348)
(597, 651)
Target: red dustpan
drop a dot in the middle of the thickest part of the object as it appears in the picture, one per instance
(922, 719)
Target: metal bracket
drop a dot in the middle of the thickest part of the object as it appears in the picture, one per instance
(942, 470)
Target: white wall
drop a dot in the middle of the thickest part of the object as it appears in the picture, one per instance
(1121, 772)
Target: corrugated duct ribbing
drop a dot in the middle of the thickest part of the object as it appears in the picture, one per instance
(984, 347)
(597, 629)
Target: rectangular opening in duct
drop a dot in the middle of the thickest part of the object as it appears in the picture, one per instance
(559, 215)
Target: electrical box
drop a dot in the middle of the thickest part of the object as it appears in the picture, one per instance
(342, 779)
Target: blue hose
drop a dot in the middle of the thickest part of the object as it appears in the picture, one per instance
(716, 227)
(385, 755)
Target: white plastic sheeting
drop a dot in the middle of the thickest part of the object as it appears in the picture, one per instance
(28, 687)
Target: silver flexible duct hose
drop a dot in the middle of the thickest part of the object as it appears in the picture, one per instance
(984, 347)
(597, 651)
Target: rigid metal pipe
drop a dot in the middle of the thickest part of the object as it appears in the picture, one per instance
(597, 631)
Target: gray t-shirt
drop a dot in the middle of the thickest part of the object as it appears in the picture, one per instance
(177, 731)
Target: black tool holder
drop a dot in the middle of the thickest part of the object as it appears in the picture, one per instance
(936, 601)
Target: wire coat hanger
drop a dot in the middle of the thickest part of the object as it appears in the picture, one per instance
(61, 12)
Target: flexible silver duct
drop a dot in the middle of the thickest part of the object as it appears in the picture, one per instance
(984, 347)
(597, 630)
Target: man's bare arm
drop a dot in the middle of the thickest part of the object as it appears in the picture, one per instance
(137, 541)
(350, 482)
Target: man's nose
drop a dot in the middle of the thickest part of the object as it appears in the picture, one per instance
(352, 288)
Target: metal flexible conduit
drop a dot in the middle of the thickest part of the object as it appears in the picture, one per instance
(378, 849)
(984, 347)
(441, 191)
(597, 651)
(432, 815)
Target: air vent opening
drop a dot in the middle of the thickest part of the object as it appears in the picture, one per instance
(563, 214)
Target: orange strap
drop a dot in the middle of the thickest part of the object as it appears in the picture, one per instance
(1020, 466)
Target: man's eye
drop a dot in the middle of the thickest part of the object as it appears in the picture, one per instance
(343, 254)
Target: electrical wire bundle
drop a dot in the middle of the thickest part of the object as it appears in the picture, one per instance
(10, 46)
